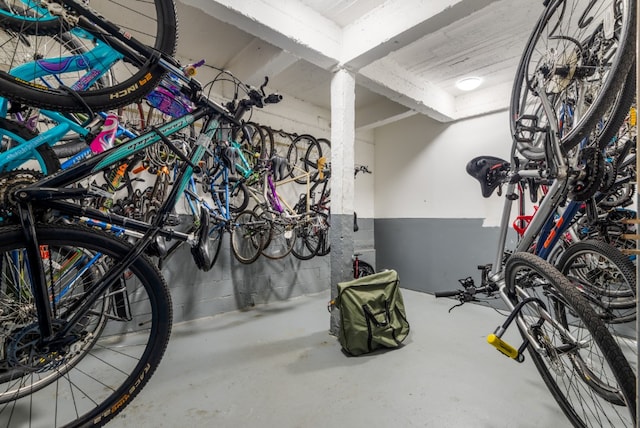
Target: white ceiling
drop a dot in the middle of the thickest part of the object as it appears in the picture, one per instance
(406, 55)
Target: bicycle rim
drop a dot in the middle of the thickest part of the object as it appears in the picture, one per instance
(579, 55)
(248, 237)
(112, 351)
(281, 241)
(153, 23)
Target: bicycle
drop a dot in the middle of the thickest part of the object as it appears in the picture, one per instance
(92, 292)
(573, 348)
(360, 267)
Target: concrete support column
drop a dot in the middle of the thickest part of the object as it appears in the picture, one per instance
(342, 182)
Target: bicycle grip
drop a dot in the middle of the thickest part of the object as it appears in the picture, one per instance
(448, 293)
(273, 99)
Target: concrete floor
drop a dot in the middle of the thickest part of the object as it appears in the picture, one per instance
(277, 366)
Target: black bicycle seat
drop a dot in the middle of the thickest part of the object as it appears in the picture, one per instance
(279, 167)
(228, 157)
(201, 254)
(487, 169)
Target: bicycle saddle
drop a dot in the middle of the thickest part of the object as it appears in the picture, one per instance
(201, 253)
(279, 167)
(229, 156)
(487, 170)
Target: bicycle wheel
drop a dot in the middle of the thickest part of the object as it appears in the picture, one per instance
(42, 158)
(604, 276)
(318, 156)
(322, 233)
(269, 142)
(306, 244)
(248, 237)
(151, 23)
(296, 156)
(281, 240)
(109, 354)
(578, 56)
(280, 142)
(215, 242)
(365, 269)
(580, 362)
(254, 140)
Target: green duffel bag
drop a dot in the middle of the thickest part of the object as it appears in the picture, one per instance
(372, 313)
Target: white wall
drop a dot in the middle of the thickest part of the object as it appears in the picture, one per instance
(420, 167)
(294, 116)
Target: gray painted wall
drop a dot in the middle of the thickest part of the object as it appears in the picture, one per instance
(231, 285)
(432, 254)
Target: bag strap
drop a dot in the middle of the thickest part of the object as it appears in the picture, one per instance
(369, 314)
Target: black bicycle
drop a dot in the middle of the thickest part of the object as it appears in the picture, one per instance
(85, 314)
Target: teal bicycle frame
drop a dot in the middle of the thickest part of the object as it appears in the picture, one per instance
(97, 62)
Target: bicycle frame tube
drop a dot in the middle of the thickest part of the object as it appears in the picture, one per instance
(79, 308)
(98, 61)
(553, 230)
(546, 208)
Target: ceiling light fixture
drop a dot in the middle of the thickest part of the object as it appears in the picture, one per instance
(468, 83)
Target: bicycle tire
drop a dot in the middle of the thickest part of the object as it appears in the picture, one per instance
(296, 156)
(216, 233)
(605, 277)
(550, 55)
(255, 141)
(281, 240)
(13, 133)
(364, 269)
(591, 380)
(312, 158)
(619, 111)
(248, 237)
(136, 80)
(279, 142)
(238, 195)
(121, 360)
(306, 244)
(324, 245)
(269, 142)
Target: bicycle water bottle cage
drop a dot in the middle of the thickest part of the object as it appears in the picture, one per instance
(279, 167)
(489, 171)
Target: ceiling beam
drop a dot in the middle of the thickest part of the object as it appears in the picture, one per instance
(287, 24)
(379, 114)
(288, 30)
(259, 59)
(398, 23)
(483, 101)
(389, 79)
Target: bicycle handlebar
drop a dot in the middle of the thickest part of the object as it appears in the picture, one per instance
(449, 293)
(468, 292)
(256, 99)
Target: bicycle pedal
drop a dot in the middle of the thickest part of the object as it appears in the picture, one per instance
(503, 347)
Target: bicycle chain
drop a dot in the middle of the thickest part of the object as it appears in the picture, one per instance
(10, 182)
